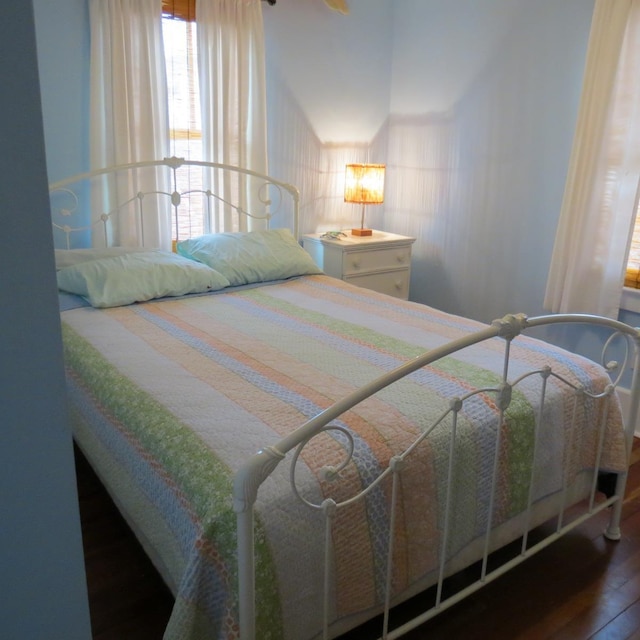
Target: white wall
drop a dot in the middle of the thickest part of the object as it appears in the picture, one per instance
(41, 563)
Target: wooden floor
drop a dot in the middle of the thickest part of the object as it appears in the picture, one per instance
(581, 587)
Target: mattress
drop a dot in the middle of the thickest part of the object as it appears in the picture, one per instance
(169, 397)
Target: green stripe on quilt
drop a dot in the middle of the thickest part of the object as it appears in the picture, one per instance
(197, 472)
(520, 416)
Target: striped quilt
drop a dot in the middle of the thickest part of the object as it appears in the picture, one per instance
(169, 397)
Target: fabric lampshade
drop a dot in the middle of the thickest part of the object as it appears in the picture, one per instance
(364, 183)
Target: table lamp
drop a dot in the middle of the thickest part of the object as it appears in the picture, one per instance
(364, 184)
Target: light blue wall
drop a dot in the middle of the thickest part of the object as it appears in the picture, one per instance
(440, 49)
(346, 76)
(508, 70)
(62, 31)
(337, 68)
(502, 78)
(41, 563)
(482, 104)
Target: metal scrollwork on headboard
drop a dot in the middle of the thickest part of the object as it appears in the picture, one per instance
(183, 197)
(63, 214)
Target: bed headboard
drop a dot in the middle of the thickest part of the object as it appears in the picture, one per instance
(152, 203)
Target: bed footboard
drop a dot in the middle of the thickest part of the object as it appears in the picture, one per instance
(577, 482)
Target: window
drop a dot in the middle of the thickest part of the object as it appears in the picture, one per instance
(180, 48)
(632, 275)
(185, 129)
(129, 110)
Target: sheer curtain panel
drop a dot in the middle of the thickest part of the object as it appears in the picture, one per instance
(600, 201)
(128, 107)
(231, 67)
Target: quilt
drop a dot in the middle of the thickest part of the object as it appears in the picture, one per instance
(169, 397)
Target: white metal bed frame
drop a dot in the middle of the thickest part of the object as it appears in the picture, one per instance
(258, 468)
(77, 190)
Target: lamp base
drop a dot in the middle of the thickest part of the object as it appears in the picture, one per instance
(361, 232)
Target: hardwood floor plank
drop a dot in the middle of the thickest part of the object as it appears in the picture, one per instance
(582, 586)
(625, 625)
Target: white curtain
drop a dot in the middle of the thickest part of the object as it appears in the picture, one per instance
(128, 112)
(231, 67)
(600, 201)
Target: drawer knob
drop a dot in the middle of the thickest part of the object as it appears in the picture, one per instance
(356, 264)
(401, 257)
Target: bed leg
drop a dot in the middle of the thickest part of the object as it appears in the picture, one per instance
(613, 532)
(246, 585)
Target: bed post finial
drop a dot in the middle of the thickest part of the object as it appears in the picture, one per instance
(251, 475)
(511, 325)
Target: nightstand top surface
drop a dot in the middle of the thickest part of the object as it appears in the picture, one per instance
(378, 237)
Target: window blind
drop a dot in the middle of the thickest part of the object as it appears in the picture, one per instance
(186, 9)
(179, 9)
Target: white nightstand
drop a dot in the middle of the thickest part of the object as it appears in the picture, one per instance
(381, 262)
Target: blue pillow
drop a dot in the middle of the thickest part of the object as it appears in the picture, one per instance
(255, 256)
(137, 277)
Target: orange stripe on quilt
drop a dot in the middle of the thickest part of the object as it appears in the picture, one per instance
(282, 418)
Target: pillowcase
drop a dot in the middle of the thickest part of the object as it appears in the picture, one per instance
(69, 257)
(136, 277)
(255, 256)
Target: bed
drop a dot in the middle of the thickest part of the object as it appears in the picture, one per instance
(298, 455)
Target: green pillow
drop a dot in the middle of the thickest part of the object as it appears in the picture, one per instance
(255, 256)
(136, 277)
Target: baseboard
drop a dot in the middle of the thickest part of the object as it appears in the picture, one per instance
(625, 400)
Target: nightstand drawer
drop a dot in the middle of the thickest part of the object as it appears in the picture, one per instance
(393, 283)
(354, 262)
